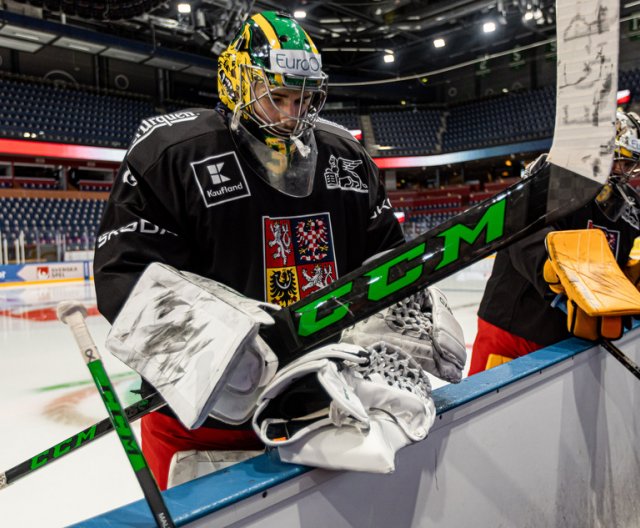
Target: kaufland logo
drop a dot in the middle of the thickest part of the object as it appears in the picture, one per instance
(220, 179)
(216, 173)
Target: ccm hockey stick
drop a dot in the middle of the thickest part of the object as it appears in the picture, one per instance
(97, 430)
(580, 162)
(73, 314)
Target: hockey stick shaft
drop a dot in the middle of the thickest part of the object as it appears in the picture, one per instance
(626, 361)
(78, 440)
(73, 314)
(494, 224)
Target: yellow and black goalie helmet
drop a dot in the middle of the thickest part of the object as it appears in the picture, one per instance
(274, 50)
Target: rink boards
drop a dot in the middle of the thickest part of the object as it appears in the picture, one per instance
(550, 439)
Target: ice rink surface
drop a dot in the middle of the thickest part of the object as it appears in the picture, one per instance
(47, 395)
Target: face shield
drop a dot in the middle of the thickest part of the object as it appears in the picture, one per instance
(280, 162)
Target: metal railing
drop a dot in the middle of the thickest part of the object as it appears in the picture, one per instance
(42, 245)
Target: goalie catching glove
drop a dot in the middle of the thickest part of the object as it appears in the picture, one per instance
(344, 407)
(422, 325)
(196, 341)
(582, 267)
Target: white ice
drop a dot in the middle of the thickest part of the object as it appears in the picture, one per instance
(46, 396)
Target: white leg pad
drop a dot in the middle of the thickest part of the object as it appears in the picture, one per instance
(189, 465)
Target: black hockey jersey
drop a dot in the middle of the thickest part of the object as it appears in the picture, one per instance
(185, 195)
(517, 298)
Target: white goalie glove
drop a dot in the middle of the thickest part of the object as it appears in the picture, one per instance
(421, 325)
(344, 407)
(196, 341)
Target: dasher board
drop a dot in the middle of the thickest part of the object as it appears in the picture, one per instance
(549, 439)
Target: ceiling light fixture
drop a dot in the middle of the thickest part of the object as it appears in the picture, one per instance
(489, 27)
(439, 43)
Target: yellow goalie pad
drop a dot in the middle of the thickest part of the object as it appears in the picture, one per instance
(581, 263)
(495, 360)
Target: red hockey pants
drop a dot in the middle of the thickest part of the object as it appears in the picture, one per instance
(493, 341)
(163, 436)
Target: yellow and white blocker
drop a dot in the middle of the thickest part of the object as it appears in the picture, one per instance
(582, 267)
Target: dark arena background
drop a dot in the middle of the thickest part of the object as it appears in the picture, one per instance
(451, 99)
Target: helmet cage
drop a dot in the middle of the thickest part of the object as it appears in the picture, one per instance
(627, 144)
(313, 88)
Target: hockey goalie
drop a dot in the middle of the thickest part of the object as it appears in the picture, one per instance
(264, 197)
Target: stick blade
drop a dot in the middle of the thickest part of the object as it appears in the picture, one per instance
(588, 34)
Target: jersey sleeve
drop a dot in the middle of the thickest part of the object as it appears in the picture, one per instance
(528, 256)
(141, 224)
(384, 231)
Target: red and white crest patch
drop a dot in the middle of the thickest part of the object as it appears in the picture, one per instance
(299, 256)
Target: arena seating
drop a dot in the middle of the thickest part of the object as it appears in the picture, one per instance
(406, 132)
(95, 185)
(349, 119)
(477, 197)
(418, 224)
(36, 183)
(426, 208)
(509, 118)
(47, 221)
(52, 113)
(497, 186)
(41, 219)
(66, 114)
(6, 182)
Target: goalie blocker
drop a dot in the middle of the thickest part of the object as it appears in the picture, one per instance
(175, 326)
(598, 294)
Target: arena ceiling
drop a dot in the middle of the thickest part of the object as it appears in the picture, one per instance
(353, 35)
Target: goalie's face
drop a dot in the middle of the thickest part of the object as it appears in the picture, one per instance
(281, 109)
